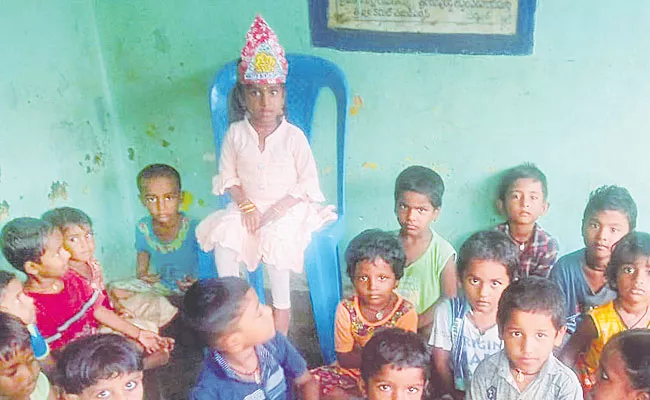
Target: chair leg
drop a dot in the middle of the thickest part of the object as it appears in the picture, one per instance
(324, 280)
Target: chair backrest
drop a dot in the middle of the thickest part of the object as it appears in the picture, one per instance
(307, 76)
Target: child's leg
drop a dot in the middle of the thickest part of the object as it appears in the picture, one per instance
(226, 260)
(281, 294)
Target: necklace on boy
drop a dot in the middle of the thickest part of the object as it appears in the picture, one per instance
(379, 314)
(255, 374)
(637, 321)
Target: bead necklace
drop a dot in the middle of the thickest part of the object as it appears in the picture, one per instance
(255, 374)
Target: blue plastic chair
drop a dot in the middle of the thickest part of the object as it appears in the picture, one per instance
(307, 76)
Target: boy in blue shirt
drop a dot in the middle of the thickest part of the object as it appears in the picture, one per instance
(609, 215)
(247, 358)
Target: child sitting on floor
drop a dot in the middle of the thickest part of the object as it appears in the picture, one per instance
(522, 199)
(267, 168)
(247, 358)
(531, 324)
(105, 366)
(14, 301)
(67, 307)
(624, 370)
(430, 260)
(465, 330)
(395, 365)
(165, 240)
(609, 215)
(375, 262)
(20, 373)
(628, 273)
(148, 310)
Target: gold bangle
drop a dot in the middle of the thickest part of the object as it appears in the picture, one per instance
(248, 205)
(250, 210)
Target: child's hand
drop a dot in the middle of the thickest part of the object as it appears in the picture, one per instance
(167, 344)
(150, 278)
(271, 215)
(251, 221)
(185, 284)
(151, 341)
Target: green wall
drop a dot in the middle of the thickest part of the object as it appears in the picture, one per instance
(91, 91)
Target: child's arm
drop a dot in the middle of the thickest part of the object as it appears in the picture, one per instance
(579, 342)
(441, 362)
(307, 386)
(142, 268)
(351, 359)
(149, 340)
(449, 278)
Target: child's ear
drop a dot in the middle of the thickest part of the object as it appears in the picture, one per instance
(436, 213)
(31, 267)
(547, 205)
(559, 336)
(501, 207)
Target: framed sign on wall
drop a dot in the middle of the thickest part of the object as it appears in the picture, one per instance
(430, 26)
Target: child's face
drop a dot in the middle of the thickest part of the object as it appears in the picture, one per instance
(255, 325)
(525, 201)
(612, 380)
(374, 282)
(601, 232)
(54, 262)
(264, 102)
(19, 374)
(633, 281)
(529, 339)
(126, 386)
(483, 283)
(393, 383)
(79, 241)
(14, 301)
(162, 198)
(415, 212)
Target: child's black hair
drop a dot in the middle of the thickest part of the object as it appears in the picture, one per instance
(521, 171)
(634, 347)
(5, 278)
(423, 180)
(532, 294)
(14, 336)
(85, 361)
(65, 216)
(611, 198)
(372, 244)
(23, 239)
(489, 246)
(210, 306)
(395, 347)
(625, 252)
(157, 171)
(237, 100)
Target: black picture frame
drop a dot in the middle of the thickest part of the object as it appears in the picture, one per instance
(520, 43)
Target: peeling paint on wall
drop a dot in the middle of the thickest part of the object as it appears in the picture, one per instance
(210, 157)
(327, 170)
(131, 152)
(187, 199)
(201, 203)
(58, 191)
(164, 143)
(4, 210)
(370, 165)
(93, 162)
(161, 42)
(357, 103)
(151, 131)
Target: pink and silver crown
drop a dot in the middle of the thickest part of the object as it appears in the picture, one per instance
(262, 58)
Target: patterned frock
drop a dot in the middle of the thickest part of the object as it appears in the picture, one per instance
(352, 328)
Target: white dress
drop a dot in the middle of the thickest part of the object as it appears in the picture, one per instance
(286, 166)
